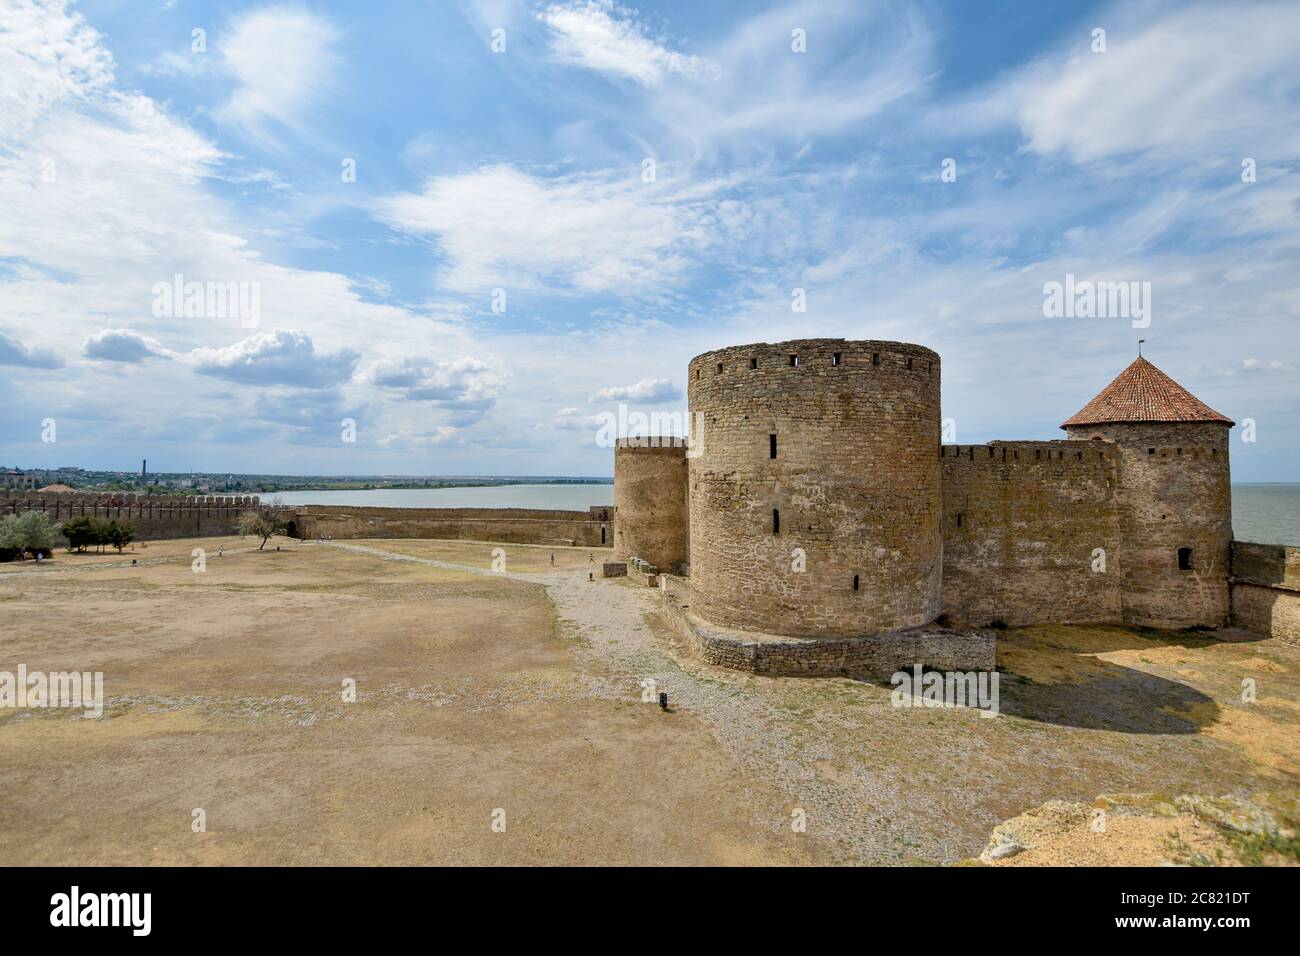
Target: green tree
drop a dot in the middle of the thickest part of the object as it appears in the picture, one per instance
(79, 532)
(28, 532)
(262, 524)
(9, 533)
(120, 535)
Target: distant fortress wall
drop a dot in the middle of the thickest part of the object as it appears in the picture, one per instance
(154, 516)
(1030, 533)
(1266, 589)
(589, 529)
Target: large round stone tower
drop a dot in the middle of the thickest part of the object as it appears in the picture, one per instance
(814, 487)
(1173, 496)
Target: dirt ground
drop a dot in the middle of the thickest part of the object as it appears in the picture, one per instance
(516, 694)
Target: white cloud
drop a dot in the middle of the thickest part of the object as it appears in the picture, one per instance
(282, 357)
(861, 59)
(606, 37)
(646, 390)
(1209, 76)
(571, 419)
(47, 60)
(500, 227)
(123, 345)
(408, 438)
(283, 60)
(13, 352)
(467, 387)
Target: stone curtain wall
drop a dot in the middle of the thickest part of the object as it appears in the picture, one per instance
(591, 528)
(1266, 589)
(1173, 492)
(855, 481)
(1021, 521)
(650, 501)
(154, 516)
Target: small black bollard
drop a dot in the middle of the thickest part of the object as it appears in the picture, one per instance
(591, 576)
(663, 701)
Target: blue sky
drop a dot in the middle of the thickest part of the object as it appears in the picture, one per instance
(131, 153)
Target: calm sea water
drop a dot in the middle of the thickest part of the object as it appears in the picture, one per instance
(1269, 514)
(559, 497)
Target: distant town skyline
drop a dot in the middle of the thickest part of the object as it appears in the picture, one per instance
(316, 239)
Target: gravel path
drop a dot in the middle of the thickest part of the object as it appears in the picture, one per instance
(744, 713)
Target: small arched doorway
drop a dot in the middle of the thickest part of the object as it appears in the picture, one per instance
(292, 529)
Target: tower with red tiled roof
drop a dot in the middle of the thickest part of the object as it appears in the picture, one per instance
(1173, 496)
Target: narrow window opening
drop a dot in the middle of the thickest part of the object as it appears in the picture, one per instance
(1184, 559)
(753, 363)
(771, 446)
(1151, 451)
(602, 535)
(959, 519)
(909, 363)
(776, 521)
(836, 359)
(875, 358)
(794, 361)
(719, 368)
(855, 582)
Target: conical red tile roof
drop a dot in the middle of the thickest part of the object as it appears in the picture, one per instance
(1143, 393)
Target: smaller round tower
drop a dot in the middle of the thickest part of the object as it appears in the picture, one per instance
(1173, 497)
(650, 511)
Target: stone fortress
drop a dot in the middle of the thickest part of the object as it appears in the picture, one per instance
(816, 524)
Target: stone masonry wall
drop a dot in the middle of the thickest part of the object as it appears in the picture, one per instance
(877, 655)
(1266, 589)
(854, 482)
(1173, 492)
(518, 525)
(1021, 522)
(154, 516)
(650, 501)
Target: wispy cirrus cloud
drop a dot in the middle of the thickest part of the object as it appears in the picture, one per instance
(1199, 76)
(577, 234)
(283, 61)
(608, 38)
